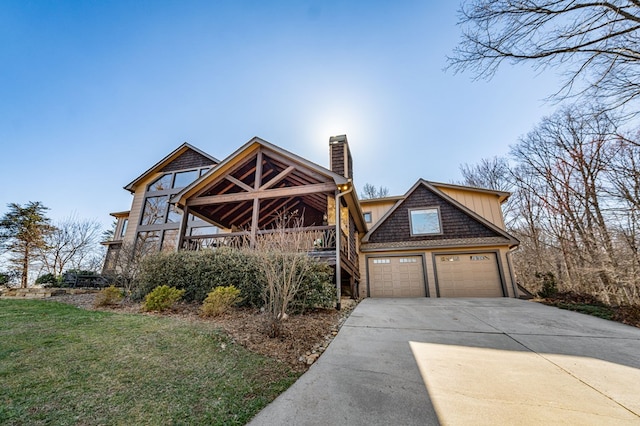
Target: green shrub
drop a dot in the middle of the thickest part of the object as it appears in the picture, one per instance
(47, 279)
(162, 298)
(220, 300)
(317, 289)
(109, 296)
(198, 272)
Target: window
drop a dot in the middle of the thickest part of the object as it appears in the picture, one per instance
(154, 210)
(408, 260)
(381, 261)
(125, 222)
(449, 259)
(204, 230)
(170, 240)
(174, 215)
(147, 242)
(425, 221)
(479, 257)
(367, 217)
(185, 178)
(160, 184)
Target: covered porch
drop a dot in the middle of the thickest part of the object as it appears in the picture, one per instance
(262, 189)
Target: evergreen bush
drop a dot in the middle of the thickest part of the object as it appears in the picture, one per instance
(162, 298)
(220, 300)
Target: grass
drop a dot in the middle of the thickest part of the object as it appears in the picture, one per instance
(62, 365)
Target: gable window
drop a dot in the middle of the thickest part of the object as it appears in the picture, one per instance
(425, 221)
(184, 178)
(367, 217)
(160, 184)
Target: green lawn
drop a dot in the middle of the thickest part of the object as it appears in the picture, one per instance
(61, 365)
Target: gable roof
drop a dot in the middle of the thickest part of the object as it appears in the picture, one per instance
(249, 148)
(432, 186)
(166, 160)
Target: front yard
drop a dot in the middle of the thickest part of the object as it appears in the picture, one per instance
(63, 365)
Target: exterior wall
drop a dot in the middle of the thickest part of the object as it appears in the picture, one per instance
(486, 205)
(378, 208)
(455, 223)
(430, 272)
(136, 209)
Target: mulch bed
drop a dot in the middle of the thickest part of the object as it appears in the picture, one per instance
(302, 340)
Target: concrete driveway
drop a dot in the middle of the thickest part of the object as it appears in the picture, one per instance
(468, 361)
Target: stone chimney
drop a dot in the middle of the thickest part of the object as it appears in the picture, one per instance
(340, 156)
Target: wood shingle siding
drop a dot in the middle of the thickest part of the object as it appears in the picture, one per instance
(455, 223)
(189, 160)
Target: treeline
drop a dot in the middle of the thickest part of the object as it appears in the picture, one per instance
(31, 244)
(575, 204)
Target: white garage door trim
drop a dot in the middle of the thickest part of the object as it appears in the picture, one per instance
(408, 257)
(496, 253)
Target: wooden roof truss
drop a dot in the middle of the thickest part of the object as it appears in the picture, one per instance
(251, 194)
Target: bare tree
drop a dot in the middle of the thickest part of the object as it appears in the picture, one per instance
(73, 244)
(492, 173)
(595, 43)
(123, 263)
(370, 191)
(283, 259)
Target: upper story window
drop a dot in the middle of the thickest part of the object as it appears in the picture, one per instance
(425, 221)
(174, 180)
(160, 184)
(184, 178)
(125, 222)
(367, 217)
(155, 209)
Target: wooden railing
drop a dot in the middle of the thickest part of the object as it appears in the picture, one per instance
(315, 238)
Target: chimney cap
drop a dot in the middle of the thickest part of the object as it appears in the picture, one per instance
(339, 138)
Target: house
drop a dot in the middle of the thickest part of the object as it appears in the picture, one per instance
(437, 240)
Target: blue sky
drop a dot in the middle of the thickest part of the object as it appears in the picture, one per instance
(92, 93)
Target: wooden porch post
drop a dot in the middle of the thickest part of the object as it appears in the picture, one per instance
(183, 227)
(338, 257)
(255, 217)
(254, 221)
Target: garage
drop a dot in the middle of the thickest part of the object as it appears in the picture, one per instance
(396, 276)
(468, 275)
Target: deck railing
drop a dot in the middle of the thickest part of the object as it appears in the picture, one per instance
(315, 238)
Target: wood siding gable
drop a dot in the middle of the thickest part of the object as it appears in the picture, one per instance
(189, 160)
(457, 221)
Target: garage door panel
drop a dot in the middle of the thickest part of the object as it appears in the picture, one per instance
(469, 275)
(396, 277)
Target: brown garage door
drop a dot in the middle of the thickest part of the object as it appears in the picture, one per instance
(468, 275)
(395, 276)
